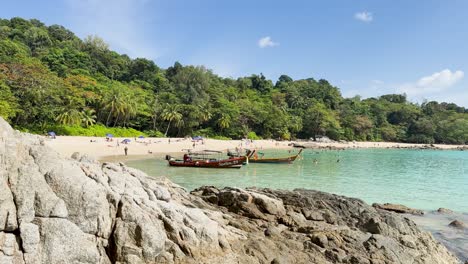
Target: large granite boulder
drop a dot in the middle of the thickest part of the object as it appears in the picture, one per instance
(76, 210)
(398, 208)
(318, 227)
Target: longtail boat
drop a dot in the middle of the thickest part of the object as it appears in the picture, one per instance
(200, 159)
(254, 158)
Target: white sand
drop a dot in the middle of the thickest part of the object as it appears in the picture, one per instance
(101, 149)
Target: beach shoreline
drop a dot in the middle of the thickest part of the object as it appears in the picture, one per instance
(102, 149)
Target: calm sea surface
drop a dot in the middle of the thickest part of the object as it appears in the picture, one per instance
(423, 179)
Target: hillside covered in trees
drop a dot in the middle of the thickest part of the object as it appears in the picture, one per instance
(52, 80)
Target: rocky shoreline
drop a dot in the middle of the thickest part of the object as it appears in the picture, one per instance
(77, 210)
(385, 145)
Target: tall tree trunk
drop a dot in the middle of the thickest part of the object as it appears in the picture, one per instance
(108, 117)
(116, 119)
(125, 121)
(167, 129)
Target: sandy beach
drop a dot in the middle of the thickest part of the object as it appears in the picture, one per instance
(101, 149)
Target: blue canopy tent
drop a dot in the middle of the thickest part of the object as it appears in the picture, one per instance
(109, 135)
(51, 133)
(197, 138)
(141, 137)
(125, 141)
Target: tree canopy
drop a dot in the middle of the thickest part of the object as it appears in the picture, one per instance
(49, 77)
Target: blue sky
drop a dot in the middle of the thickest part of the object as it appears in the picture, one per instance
(367, 47)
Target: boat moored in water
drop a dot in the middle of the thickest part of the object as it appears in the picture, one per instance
(255, 158)
(202, 159)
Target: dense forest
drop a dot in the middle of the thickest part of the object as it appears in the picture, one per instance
(52, 80)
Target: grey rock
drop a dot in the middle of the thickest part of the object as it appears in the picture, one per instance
(8, 221)
(76, 156)
(457, 224)
(444, 211)
(61, 241)
(313, 215)
(30, 238)
(10, 251)
(320, 240)
(398, 208)
(353, 232)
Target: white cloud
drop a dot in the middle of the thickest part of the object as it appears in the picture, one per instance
(119, 22)
(266, 42)
(364, 16)
(437, 82)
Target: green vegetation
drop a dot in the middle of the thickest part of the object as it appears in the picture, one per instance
(51, 79)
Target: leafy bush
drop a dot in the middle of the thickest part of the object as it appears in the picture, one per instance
(420, 138)
(252, 135)
(206, 132)
(209, 133)
(91, 131)
(285, 136)
(221, 138)
(154, 133)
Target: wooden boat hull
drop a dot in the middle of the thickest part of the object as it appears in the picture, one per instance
(274, 160)
(220, 164)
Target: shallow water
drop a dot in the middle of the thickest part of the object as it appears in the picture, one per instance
(456, 240)
(423, 179)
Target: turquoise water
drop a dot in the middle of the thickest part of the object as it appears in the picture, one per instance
(424, 179)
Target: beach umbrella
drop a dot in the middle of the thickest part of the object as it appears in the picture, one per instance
(197, 138)
(109, 135)
(51, 133)
(141, 137)
(126, 140)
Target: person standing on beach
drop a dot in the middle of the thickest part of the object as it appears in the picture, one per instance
(126, 149)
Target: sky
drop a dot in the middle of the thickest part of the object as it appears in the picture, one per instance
(364, 47)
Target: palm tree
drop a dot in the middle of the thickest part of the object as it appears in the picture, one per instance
(88, 117)
(179, 123)
(156, 111)
(114, 103)
(224, 121)
(69, 116)
(205, 113)
(130, 108)
(171, 113)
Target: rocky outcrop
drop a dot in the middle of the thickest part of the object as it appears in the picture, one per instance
(398, 208)
(318, 227)
(58, 210)
(457, 224)
(314, 145)
(444, 211)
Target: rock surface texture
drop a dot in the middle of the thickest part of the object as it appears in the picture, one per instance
(398, 208)
(58, 210)
(457, 224)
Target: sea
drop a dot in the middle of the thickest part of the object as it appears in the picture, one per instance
(422, 179)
